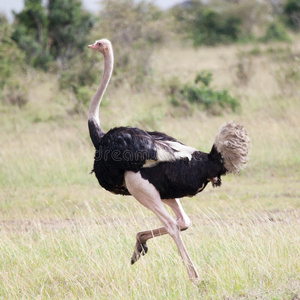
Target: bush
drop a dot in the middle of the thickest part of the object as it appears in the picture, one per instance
(212, 28)
(12, 62)
(205, 77)
(276, 32)
(292, 13)
(200, 93)
(207, 25)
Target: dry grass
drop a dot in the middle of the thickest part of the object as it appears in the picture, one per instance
(64, 237)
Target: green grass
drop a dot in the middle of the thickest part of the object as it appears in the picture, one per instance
(63, 237)
(239, 253)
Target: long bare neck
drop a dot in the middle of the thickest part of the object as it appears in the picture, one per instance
(96, 100)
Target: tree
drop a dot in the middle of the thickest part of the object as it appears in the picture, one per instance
(68, 29)
(11, 63)
(292, 12)
(31, 33)
(56, 33)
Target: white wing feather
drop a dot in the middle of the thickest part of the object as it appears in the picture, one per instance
(170, 151)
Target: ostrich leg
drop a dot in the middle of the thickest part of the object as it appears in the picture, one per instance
(147, 195)
(142, 237)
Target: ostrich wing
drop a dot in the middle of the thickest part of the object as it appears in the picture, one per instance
(132, 148)
(170, 149)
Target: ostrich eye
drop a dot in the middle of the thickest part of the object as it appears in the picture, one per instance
(99, 44)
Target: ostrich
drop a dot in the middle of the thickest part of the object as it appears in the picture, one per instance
(155, 168)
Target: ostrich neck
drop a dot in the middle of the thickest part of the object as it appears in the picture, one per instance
(96, 100)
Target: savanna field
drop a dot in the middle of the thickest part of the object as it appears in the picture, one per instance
(64, 237)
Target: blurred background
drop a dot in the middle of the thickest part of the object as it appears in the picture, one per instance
(181, 67)
(51, 36)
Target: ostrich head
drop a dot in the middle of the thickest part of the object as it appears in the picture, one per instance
(103, 46)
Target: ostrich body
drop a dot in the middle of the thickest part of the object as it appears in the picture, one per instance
(156, 168)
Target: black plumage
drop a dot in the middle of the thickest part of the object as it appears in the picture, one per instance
(128, 149)
(121, 149)
(185, 177)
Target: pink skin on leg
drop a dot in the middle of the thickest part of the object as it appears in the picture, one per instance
(147, 195)
(142, 237)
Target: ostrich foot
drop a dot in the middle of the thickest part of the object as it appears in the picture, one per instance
(139, 249)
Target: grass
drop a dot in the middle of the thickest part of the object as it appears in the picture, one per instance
(63, 237)
(240, 254)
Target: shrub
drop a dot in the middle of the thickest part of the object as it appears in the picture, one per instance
(207, 25)
(292, 13)
(200, 93)
(205, 77)
(12, 62)
(276, 32)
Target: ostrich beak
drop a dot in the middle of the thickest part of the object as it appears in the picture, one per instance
(92, 46)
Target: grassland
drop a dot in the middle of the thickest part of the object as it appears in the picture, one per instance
(63, 237)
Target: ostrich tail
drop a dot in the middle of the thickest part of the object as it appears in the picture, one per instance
(232, 142)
